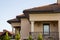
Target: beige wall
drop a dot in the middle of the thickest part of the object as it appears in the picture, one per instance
(38, 26)
(15, 24)
(25, 28)
(17, 30)
(44, 17)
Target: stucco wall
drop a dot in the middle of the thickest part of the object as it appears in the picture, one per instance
(17, 30)
(50, 17)
(38, 26)
(16, 24)
(44, 17)
(25, 28)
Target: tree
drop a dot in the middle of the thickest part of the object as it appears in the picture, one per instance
(17, 37)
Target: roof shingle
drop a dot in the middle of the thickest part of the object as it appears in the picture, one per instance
(48, 8)
(21, 16)
(13, 20)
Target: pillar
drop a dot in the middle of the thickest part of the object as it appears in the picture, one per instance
(32, 26)
(59, 29)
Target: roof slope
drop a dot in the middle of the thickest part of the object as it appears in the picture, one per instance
(48, 8)
(4, 32)
(13, 20)
(1, 33)
(17, 19)
(21, 16)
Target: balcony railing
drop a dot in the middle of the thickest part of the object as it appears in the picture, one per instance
(46, 36)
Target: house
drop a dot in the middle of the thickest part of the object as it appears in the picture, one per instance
(4, 33)
(43, 20)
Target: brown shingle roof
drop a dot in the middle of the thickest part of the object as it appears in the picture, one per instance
(1, 33)
(13, 20)
(21, 16)
(4, 32)
(17, 19)
(48, 8)
(8, 32)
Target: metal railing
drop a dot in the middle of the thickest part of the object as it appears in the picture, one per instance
(46, 35)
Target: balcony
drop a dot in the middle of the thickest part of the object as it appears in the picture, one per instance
(46, 36)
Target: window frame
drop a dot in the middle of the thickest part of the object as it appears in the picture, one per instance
(43, 28)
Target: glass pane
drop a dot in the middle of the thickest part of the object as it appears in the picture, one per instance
(46, 29)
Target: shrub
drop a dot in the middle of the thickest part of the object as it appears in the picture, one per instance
(30, 37)
(1, 37)
(17, 37)
(39, 37)
(6, 37)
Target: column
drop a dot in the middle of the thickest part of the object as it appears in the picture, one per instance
(32, 26)
(59, 29)
(58, 1)
(12, 31)
(15, 31)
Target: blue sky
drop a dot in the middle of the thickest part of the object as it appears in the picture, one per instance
(10, 8)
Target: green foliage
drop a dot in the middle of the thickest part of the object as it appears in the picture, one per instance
(6, 37)
(17, 37)
(2, 37)
(39, 37)
(30, 37)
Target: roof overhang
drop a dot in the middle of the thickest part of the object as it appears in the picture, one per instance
(13, 21)
(52, 8)
(20, 16)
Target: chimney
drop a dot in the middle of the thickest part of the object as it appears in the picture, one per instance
(58, 1)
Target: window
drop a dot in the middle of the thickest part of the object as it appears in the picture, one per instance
(46, 29)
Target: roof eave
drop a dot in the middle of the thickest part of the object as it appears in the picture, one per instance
(15, 21)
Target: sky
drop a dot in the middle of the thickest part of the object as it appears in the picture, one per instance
(9, 9)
